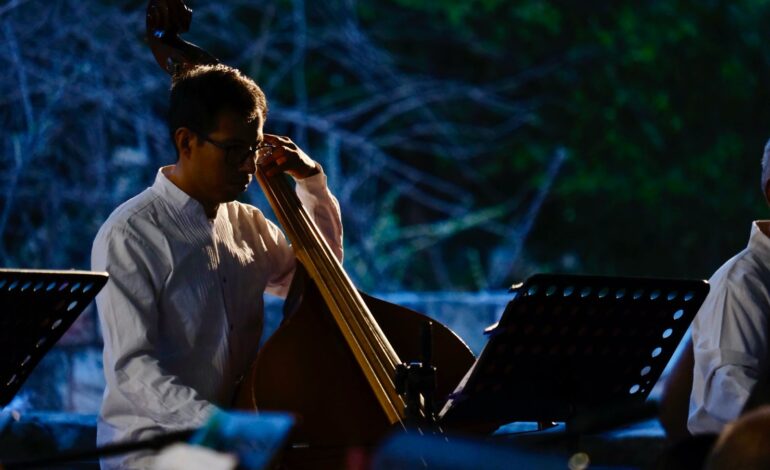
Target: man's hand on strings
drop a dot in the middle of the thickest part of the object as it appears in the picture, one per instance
(283, 155)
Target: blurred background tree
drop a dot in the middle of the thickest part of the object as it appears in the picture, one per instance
(470, 143)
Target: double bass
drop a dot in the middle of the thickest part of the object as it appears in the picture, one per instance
(333, 361)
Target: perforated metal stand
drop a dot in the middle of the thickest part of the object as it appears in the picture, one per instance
(570, 345)
(36, 308)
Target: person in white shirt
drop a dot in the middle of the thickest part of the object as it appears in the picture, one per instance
(730, 331)
(182, 312)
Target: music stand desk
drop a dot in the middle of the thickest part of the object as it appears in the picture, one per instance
(568, 346)
(36, 309)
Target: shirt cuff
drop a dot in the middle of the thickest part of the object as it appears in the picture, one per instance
(314, 183)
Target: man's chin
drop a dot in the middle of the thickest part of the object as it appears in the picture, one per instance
(235, 190)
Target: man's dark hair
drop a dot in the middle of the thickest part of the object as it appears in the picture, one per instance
(199, 94)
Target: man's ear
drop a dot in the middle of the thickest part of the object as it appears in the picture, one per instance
(183, 139)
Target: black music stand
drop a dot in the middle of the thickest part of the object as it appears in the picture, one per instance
(36, 308)
(569, 346)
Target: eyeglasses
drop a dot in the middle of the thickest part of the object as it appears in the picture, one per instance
(236, 154)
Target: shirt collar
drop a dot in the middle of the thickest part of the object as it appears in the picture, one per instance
(759, 240)
(175, 196)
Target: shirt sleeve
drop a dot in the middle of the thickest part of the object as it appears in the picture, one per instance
(324, 209)
(128, 313)
(730, 344)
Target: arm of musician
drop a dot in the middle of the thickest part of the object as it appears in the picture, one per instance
(323, 207)
(730, 346)
(140, 395)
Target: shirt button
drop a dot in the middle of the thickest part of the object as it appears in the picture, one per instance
(231, 327)
(224, 280)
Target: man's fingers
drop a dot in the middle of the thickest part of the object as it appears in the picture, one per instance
(278, 140)
(285, 157)
(281, 141)
(273, 164)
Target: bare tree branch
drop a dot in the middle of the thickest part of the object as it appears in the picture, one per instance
(406, 153)
(11, 5)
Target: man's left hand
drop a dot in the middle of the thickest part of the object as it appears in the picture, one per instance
(287, 157)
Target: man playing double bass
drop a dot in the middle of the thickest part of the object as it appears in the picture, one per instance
(182, 313)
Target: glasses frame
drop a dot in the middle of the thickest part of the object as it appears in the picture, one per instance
(236, 158)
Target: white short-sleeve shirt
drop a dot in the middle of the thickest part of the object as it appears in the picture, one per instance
(730, 335)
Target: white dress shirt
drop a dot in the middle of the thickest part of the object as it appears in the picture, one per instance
(730, 335)
(182, 312)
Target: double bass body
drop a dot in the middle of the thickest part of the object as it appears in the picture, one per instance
(306, 368)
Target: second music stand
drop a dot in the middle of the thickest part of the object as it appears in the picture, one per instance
(570, 345)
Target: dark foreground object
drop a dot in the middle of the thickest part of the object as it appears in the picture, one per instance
(638, 446)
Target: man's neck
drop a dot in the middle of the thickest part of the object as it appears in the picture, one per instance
(175, 175)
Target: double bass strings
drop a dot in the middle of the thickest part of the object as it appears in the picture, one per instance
(333, 269)
(341, 294)
(367, 342)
